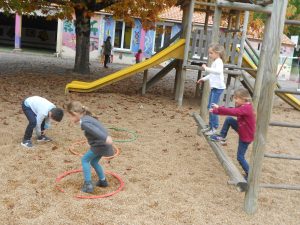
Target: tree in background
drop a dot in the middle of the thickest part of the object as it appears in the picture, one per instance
(147, 10)
(293, 13)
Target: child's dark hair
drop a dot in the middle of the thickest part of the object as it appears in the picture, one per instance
(57, 114)
(140, 51)
(243, 94)
(218, 49)
(77, 107)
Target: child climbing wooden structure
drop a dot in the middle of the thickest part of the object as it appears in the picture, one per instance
(263, 90)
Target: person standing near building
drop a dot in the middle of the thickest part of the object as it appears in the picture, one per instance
(138, 56)
(107, 51)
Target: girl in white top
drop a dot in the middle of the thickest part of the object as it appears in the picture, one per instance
(216, 79)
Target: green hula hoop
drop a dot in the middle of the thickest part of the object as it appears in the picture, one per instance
(132, 133)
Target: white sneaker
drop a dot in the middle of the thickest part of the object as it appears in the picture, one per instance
(205, 129)
(212, 131)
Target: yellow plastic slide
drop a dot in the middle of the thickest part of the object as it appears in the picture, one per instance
(288, 98)
(173, 51)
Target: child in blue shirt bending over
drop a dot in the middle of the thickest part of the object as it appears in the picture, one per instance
(39, 112)
(100, 144)
(216, 80)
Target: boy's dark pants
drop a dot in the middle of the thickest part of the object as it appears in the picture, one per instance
(32, 122)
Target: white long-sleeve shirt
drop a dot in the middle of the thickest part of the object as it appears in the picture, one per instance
(215, 74)
(41, 107)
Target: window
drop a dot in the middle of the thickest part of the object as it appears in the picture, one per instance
(158, 37)
(122, 35)
(162, 36)
(167, 34)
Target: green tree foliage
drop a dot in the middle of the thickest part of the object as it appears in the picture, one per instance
(292, 13)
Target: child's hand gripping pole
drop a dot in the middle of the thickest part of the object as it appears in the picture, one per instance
(214, 106)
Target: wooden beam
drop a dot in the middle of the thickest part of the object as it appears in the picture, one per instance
(282, 156)
(272, 40)
(145, 77)
(281, 186)
(194, 67)
(261, 65)
(246, 83)
(231, 170)
(264, 2)
(251, 47)
(282, 124)
(204, 3)
(244, 6)
(177, 74)
(292, 22)
(243, 39)
(187, 30)
(161, 73)
(287, 91)
(214, 39)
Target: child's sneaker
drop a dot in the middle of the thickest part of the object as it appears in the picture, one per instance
(102, 183)
(218, 138)
(87, 187)
(212, 131)
(205, 129)
(43, 138)
(27, 143)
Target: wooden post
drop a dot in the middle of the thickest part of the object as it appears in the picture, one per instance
(272, 40)
(206, 86)
(144, 82)
(187, 30)
(228, 89)
(197, 92)
(262, 61)
(179, 71)
(243, 39)
(177, 74)
(238, 20)
(244, 6)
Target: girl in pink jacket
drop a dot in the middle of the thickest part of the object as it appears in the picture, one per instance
(244, 125)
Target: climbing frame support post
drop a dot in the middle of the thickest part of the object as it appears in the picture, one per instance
(272, 42)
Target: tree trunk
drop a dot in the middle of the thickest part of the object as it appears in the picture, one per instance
(82, 27)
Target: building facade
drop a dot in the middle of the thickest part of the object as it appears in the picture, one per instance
(59, 36)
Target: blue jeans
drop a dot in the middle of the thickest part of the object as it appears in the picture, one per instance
(91, 159)
(32, 122)
(214, 97)
(243, 146)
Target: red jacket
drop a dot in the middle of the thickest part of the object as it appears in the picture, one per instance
(245, 118)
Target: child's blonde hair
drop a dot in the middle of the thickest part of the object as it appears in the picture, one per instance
(218, 49)
(243, 93)
(77, 107)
